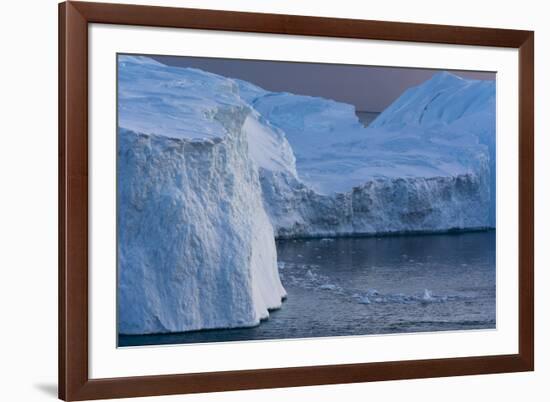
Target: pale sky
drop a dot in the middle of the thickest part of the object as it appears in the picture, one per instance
(368, 88)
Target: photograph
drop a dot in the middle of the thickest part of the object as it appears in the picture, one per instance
(271, 201)
(268, 200)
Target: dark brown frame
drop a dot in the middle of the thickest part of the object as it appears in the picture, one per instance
(74, 382)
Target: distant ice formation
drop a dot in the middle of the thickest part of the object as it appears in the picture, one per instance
(427, 163)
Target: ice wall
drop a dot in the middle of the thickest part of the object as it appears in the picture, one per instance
(455, 112)
(195, 247)
(426, 164)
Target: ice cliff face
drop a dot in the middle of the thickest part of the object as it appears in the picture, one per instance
(426, 164)
(195, 247)
(379, 206)
(453, 113)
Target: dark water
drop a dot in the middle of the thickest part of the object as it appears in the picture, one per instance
(358, 286)
(366, 118)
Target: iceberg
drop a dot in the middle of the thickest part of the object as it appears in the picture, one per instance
(195, 247)
(427, 163)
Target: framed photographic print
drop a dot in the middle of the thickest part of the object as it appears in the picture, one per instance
(258, 200)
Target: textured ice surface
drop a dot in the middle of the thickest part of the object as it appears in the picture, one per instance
(456, 114)
(195, 246)
(426, 164)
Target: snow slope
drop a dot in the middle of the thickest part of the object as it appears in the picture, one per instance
(195, 247)
(426, 164)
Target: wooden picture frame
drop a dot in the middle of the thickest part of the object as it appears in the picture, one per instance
(74, 381)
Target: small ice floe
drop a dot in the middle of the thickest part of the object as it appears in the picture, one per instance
(300, 256)
(328, 286)
(361, 299)
(326, 239)
(372, 296)
(427, 296)
(372, 292)
(311, 275)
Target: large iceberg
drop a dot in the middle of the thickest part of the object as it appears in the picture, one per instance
(425, 164)
(195, 247)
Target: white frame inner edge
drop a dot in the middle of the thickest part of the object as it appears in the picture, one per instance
(106, 360)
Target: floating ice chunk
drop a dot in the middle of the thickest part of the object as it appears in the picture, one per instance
(372, 292)
(427, 296)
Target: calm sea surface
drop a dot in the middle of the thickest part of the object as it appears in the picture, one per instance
(372, 285)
